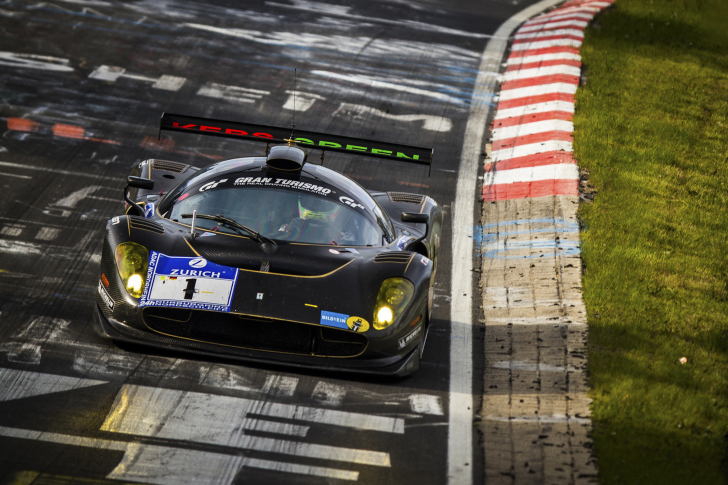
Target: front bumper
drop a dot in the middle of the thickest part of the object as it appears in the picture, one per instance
(393, 366)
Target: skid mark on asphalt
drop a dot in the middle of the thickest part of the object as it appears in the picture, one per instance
(357, 111)
(231, 93)
(328, 394)
(19, 384)
(58, 336)
(224, 420)
(178, 419)
(167, 465)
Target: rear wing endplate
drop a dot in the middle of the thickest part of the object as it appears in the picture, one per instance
(305, 139)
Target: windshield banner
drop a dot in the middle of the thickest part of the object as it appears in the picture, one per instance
(194, 283)
(305, 139)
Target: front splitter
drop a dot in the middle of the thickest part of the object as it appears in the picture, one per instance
(117, 331)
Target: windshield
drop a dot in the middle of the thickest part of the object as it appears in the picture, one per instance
(281, 214)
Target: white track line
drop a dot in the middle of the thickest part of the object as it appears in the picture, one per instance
(543, 44)
(539, 90)
(556, 56)
(19, 384)
(558, 171)
(51, 170)
(460, 412)
(541, 71)
(535, 108)
(532, 129)
(132, 399)
(536, 35)
(583, 14)
(531, 149)
(554, 26)
(140, 462)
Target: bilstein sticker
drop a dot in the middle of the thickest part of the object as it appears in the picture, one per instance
(409, 337)
(357, 324)
(105, 296)
(332, 319)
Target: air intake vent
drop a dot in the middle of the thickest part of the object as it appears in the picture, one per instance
(168, 166)
(393, 257)
(254, 333)
(406, 197)
(145, 225)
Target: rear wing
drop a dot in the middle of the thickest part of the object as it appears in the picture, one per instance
(310, 139)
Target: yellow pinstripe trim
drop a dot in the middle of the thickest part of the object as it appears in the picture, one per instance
(408, 263)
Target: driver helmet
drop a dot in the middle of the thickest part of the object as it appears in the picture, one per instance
(316, 209)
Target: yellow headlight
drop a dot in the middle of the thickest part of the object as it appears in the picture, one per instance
(393, 297)
(132, 260)
(384, 315)
(134, 285)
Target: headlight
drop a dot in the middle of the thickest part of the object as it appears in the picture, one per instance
(393, 297)
(132, 260)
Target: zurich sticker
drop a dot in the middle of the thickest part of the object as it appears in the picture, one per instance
(193, 283)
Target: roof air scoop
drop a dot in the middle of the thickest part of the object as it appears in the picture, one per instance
(286, 158)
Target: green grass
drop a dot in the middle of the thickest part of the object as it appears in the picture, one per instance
(651, 127)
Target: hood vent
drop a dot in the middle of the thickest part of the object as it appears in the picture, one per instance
(169, 166)
(136, 222)
(393, 257)
(406, 197)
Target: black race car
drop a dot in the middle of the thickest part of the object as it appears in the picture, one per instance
(272, 259)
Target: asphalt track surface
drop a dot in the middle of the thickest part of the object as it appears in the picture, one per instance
(83, 84)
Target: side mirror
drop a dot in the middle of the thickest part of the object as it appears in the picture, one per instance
(139, 183)
(415, 217)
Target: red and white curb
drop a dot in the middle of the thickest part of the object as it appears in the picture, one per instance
(535, 418)
(532, 151)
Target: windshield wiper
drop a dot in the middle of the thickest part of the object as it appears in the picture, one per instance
(229, 222)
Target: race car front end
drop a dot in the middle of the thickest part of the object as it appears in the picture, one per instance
(361, 310)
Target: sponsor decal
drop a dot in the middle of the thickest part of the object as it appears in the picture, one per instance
(105, 296)
(294, 184)
(424, 260)
(105, 280)
(149, 210)
(210, 185)
(259, 296)
(311, 139)
(115, 220)
(409, 337)
(184, 282)
(357, 324)
(351, 202)
(334, 251)
(207, 234)
(183, 197)
(332, 319)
